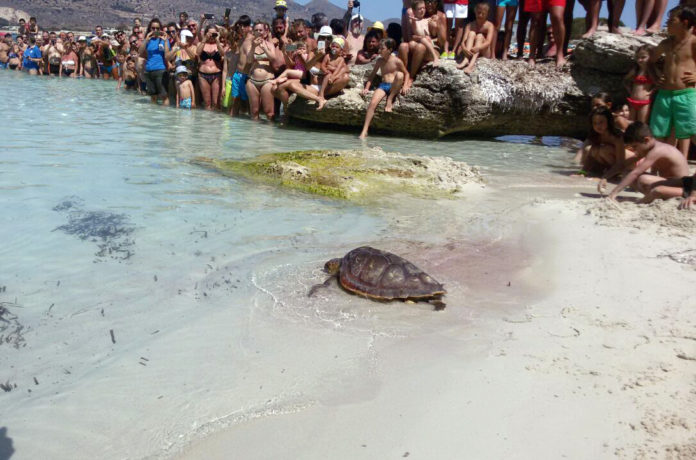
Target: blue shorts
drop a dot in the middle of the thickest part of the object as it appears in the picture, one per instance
(185, 103)
(3, 65)
(507, 2)
(386, 87)
(239, 86)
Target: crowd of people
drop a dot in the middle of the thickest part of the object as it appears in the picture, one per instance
(255, 66)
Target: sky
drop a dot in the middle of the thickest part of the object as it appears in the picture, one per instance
(383, 9)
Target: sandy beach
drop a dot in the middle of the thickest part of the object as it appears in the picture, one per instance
(585, 350)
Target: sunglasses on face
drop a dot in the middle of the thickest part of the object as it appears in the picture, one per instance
(154, 28)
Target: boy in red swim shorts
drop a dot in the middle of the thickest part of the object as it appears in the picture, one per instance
(556, 8)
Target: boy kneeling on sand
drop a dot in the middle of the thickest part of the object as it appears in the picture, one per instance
(663, 159)
(393, 75)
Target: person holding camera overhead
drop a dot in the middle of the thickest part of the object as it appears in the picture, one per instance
(210, 53)
(155, 50)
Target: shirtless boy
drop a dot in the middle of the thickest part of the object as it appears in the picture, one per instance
(333, 66)
(185, 94)
(674, 110)
(664, 161)
(393, 75)
(420, 48)
(478, 36)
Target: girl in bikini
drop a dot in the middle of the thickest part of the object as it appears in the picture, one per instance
(14, 61)
(261, 56)
(603, 154)
(210, 53)
(89, 68)
(296, 58)
(640, 86)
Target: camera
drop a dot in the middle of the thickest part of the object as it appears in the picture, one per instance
(356, 3)
(209, 16)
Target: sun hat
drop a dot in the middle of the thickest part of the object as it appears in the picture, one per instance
(281, 4)
(105, 36)
(81, 38)
(341, 42)
(325, 31)
(377, 26)
(115, 43)
(185, 33)
(181, 69)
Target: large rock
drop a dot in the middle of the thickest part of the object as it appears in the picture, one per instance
(498, 98)
(363, 175)
(611, 53)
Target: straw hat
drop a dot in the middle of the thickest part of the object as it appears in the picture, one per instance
(377, 26)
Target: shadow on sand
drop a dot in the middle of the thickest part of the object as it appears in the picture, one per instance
(6, 449)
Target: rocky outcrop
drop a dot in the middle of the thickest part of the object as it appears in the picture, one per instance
(610, 53)
(498, 98)
(359, 175)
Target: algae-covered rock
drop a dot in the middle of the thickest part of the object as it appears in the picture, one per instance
(361, 175)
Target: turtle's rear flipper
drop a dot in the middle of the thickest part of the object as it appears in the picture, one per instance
(438, 304)
(316, 287)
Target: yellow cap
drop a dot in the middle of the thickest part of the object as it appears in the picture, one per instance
(341, 42)
(281, 4)
(377, 25)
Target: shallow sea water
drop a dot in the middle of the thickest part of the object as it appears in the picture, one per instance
(147, 301)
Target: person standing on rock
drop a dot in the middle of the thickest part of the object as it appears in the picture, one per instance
(649, 12)
(556, 9)
(674, 109)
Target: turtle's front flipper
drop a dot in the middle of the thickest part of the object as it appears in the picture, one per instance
(316, 287)
(438, 304)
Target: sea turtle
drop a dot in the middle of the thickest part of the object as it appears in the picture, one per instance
(381, 275)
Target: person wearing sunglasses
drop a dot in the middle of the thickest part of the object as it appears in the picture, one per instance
(155, 50)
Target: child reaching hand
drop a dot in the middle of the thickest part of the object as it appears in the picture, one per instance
(640, 85)
(393, 75)
(663, 160)
(185, 94)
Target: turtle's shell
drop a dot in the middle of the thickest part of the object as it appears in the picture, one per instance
(383, 275)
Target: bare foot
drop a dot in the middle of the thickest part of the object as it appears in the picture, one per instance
(560, 61)
(531, 62)
(615, 30)
(363, 135)
(589, 33)
(639, 32)
(435, 62)
(652, 31)
(321, 104)
(389, 106)
(469, 69)
(463, 64)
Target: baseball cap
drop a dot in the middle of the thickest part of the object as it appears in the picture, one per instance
(358, 17)
(185, 34)
(280, 4)
(181, 69)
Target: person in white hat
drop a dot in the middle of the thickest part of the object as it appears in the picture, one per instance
(355, 38)
(324, 38)
(185, 94)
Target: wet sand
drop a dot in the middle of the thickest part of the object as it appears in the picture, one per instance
(588, 353)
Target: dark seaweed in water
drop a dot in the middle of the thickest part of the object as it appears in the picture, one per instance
(11, 330)
(111, 232)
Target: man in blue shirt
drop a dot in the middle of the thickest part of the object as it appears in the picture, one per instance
(32, 57)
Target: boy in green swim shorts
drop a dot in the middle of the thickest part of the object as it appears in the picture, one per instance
(674, 110)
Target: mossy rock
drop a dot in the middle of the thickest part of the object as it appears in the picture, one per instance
(357, 175)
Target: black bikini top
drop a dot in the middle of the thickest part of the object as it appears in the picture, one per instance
(214, 56)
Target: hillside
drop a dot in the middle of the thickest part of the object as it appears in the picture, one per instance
(80, 14)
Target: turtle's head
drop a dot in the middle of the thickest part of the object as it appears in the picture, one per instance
(332, 266)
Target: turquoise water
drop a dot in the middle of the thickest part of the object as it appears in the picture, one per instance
(107, 227)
